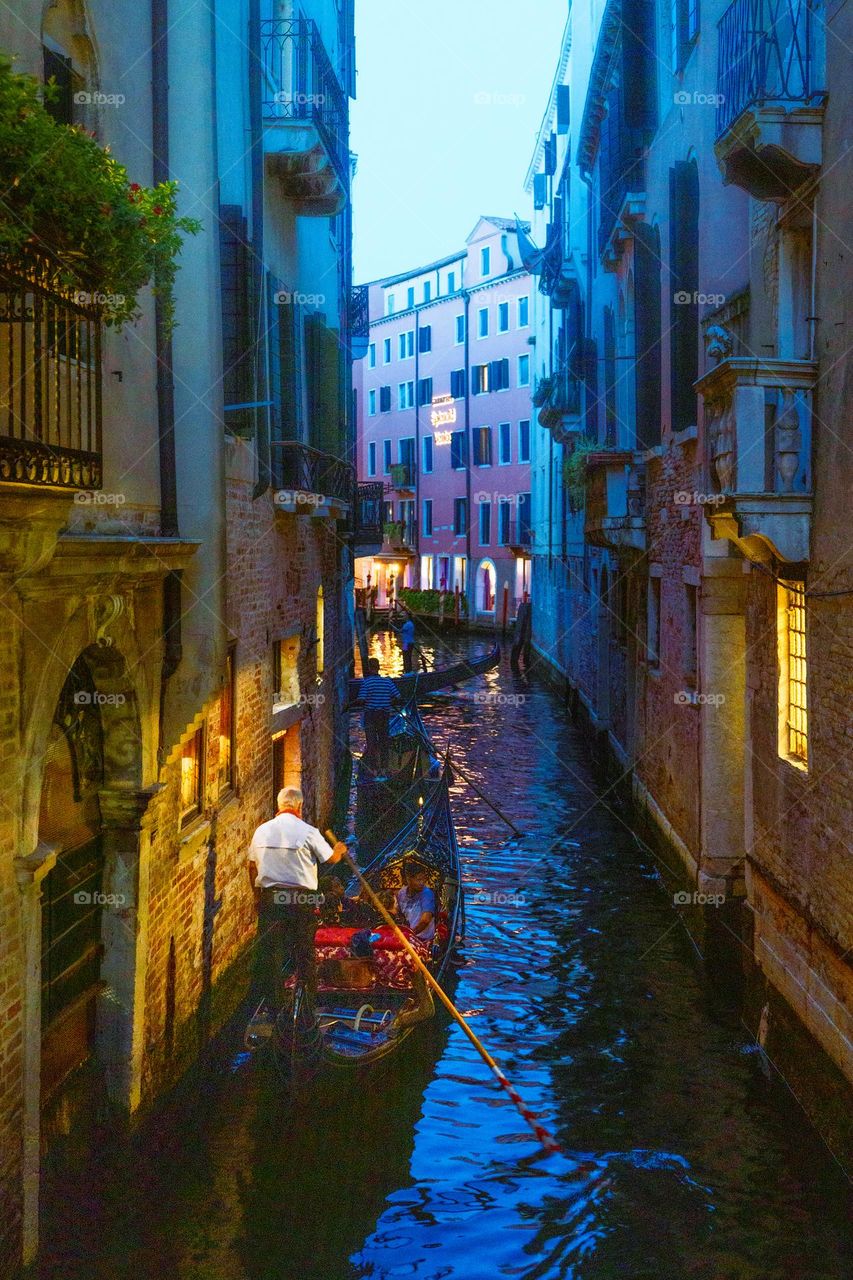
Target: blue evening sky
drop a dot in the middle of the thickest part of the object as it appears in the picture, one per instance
(451, 94)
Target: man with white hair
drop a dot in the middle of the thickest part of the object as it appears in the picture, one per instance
(283, 859)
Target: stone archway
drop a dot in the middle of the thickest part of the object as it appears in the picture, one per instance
(89, 828)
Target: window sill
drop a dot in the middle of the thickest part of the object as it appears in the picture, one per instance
(193, 838)
(799, 765)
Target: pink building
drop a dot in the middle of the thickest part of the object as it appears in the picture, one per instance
(443, 413)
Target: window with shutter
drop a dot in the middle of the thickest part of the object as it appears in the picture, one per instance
(384, 399)
(562, 108)
(610, 424)
(425, 338)
(60, 104)
(237, 381)
(684, 287)
(425, 391)
(457, 383)
(540, 190)
(647, 327)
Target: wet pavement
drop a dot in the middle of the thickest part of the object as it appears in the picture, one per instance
(684, 1158)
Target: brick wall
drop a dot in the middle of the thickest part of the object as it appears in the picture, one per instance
(11, 947)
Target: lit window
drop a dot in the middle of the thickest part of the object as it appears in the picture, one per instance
(192, 776)
(227, 723)
(321, 632)
(285, 672)
(793, 674)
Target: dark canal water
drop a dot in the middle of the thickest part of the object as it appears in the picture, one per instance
(683, 1159)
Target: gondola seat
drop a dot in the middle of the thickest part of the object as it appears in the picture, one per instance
(390, 965)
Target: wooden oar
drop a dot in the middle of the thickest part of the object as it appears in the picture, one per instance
(550, 1143)
(456, 769)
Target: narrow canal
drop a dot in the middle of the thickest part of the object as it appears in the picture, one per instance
(683, 1158)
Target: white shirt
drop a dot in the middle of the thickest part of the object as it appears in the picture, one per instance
(286, 851)
(413, 905)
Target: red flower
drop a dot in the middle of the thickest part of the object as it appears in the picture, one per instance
(134, 186)
(157, 209)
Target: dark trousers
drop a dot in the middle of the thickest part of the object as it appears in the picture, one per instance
(285, 936)
(408, 658)
(376, 734)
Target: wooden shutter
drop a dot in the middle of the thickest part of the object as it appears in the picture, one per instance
(563, 100)
(647, 330)
(684, 281)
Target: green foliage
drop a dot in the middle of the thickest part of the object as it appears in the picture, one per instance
(428, 601)
(574, 472)
(64, 195)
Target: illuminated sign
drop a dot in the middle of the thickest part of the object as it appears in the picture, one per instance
(443, 413)
(443, 437)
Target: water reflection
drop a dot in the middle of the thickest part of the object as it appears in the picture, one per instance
(680, 1161)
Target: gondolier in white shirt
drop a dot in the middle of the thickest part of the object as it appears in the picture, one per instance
(283, 859)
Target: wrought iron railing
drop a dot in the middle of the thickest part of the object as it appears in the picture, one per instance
(765, 52)
(301, 469)
(359, 312)
(50, 379)
(300, 84)
(519, 533)
(369, 511)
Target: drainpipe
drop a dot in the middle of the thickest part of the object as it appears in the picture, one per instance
(417, 462)
(262, 415)
(468, 455)
(172, 650)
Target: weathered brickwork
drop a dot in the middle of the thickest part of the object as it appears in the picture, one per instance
(11, 949)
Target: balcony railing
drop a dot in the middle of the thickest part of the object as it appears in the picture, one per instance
(765, 54)
(519, 536)
(615, 499)
(367, 519)
(758, 419)
(50, 380)
(301, 88)
(308, 476)
(359, 313)
(402, 475)
(400, 535)
(558, 398)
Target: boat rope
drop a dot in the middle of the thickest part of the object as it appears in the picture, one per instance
(546, 1139)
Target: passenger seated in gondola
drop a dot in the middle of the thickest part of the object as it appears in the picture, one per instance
(416, 901)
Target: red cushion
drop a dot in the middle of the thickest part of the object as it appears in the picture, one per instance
(332, 935)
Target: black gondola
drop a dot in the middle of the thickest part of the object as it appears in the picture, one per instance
(418, 684)
(370, 994)
(385, 804)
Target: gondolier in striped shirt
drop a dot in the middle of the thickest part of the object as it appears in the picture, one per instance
(379, 694)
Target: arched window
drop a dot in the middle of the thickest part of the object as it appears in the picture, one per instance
(321, 632)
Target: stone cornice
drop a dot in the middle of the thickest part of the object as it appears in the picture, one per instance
(599, 84)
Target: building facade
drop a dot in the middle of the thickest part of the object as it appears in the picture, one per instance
(690, 576)
(444, 413)
(177, 513)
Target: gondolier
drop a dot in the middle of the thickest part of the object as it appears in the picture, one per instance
(283, 859)
(378, 693)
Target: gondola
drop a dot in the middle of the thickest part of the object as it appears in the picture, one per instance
(384, 804)
(370, 995)
(418, 684)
